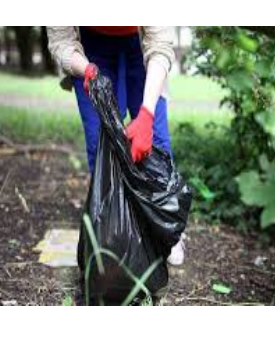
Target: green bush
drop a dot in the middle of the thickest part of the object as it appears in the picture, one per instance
(258, 188)
(242, 191)
(209, 160)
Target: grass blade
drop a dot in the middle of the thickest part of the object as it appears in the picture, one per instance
(98, 252)
(134, 292)
(94, 243)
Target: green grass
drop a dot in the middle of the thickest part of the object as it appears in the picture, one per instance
(199, 119)
(44, 87)
(37, 127)
(190, 88)
(194, 88)
(42, 125)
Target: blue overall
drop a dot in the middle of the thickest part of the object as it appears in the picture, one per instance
(120, 59)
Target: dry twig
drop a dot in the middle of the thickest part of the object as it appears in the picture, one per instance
(5, 183)
(22, 200)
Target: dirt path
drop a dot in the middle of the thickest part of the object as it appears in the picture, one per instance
(53, 192)
(39, 103)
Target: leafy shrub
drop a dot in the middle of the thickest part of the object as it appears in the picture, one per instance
(258, 188)
(209, 160)
(243, 63)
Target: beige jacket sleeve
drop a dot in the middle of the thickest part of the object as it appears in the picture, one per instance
(157, 45)
(63, 42)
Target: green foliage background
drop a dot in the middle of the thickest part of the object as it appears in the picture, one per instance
(233, 170)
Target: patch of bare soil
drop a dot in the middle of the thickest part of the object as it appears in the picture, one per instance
(42, 191)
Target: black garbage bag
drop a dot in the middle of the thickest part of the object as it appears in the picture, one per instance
(137, 211)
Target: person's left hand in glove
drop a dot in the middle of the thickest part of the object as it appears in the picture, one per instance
(140, 133)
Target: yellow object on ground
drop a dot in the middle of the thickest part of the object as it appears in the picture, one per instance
(58, 248)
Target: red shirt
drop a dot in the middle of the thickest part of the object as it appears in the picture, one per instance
(115, 30)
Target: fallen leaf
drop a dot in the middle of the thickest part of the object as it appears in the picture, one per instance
(68, 301)
(14, 242)
(221, 289)
(76, 163)
(73, 183)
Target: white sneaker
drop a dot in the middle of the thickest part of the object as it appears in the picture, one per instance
(177, 255)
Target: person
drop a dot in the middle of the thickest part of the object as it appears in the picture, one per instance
(137, 60)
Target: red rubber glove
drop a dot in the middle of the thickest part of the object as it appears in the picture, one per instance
(90, 74)
(140, 133)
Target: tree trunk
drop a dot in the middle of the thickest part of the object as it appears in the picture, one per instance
(48, 63)
(1, 43)
(25, 45)
(178, 31)
(7, 45)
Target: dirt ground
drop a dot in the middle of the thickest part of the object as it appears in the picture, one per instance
(41, 191)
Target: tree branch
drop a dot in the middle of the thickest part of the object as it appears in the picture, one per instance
(265, 30)
(30, 148)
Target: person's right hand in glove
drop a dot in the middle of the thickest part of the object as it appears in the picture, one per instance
(91, 72)
(81, 67)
